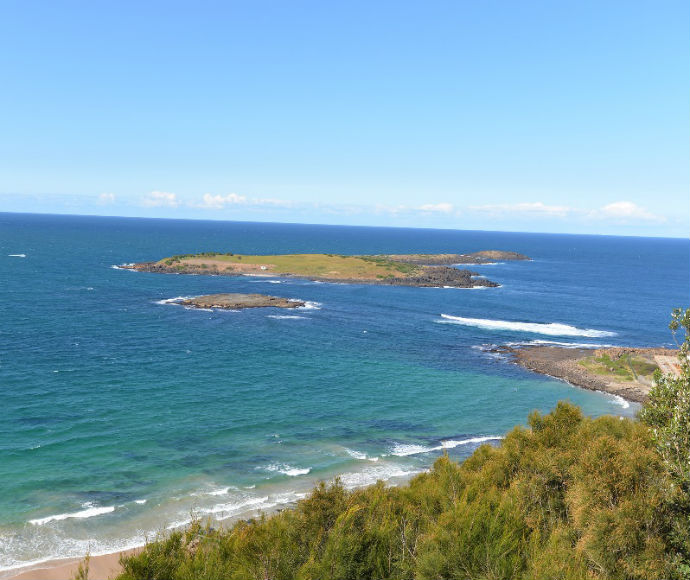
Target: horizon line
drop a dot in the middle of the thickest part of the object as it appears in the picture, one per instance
(194, 219)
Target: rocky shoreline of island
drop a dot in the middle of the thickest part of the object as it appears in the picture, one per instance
(418, 270)
(478, 258)
(626, 372)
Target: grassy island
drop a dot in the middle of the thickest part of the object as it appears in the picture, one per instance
(398, 269)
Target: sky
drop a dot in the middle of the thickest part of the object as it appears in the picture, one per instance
(545, 116)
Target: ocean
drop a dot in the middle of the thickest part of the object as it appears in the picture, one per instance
(124, 414)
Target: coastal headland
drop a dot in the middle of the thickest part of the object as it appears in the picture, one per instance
(423, 270)
(626, 372)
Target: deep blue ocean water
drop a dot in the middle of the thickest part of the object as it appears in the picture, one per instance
(122, 413)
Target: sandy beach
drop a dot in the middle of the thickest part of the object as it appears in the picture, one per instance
(100, 568)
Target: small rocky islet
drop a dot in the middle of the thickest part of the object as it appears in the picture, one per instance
(237, 301)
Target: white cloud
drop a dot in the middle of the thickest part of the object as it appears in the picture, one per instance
(406, 210)
(627, 210)
(274, 202)
(220, 201)
(437, 207)
(531, 209)
(391, 209)
(106, 198)
(160, 199)
(621, 212)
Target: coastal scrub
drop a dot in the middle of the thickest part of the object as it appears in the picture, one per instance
(569, 496)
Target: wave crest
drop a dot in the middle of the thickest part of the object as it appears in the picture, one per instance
(550, 328)
(90, 512)
(405, 449)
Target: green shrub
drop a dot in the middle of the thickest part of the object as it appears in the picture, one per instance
(568, 497)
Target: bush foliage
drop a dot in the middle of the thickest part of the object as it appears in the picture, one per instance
(568, 497)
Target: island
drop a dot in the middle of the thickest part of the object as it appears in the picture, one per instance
(236, 301)
(426, 270)
(623, 371)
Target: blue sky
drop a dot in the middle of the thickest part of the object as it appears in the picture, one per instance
(551, 116)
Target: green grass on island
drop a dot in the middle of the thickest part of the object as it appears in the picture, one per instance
(625, 368)
(307, 265)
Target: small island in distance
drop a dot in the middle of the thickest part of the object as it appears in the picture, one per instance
(236, 301)
(423, 270)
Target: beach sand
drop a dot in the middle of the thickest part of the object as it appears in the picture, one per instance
(100, 568)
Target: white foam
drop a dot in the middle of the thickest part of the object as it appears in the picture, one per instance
(621, 401)
(87, 513)
(559, 343)
(466, 287)
(288, 469)
(121, 267)
(224, 511)
(405, 449)
(551, 328)
(373, 474)
(175, 300)
(233, 507)
(360, 455)
(286, 317)
(140, 501)
(17, 255)
(451, 443)
(308, 304)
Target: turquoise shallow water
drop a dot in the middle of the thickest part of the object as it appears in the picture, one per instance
(123, 412)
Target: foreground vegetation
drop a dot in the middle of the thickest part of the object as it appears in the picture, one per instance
(567, 497)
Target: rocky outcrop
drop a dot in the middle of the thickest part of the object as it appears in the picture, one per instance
(483, 257)
(564, 363)
(435, 276)
(240, 301)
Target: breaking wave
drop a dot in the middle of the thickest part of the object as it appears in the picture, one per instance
(287, 469)
(405, 449)
(90, 512)
(550, 329)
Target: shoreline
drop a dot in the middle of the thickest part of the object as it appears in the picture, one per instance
(565, 363)
(100, 567)
(106, 565)
(553, 361)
